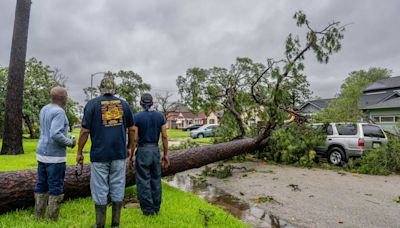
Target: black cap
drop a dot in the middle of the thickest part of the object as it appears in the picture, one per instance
(146, 99)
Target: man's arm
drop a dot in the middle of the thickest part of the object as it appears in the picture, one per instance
(57, 125)
(132, 139)
(164, 137)
(83, 137)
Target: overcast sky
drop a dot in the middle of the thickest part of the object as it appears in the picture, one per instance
(161, 39)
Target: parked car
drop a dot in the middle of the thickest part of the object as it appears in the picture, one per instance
(345, 140)
(204, 131)
(192, 127)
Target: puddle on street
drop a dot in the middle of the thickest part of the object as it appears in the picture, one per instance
(253, 216)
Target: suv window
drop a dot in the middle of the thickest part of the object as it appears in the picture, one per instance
(329, 130)
(320, 127)
(372, 131)
(346, 129)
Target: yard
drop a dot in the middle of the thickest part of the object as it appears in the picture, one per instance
(28, 159)
(177, 134)
(179, 209)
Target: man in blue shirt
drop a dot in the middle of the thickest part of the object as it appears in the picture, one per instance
(148, 126)
(106, 119)
(51, 155)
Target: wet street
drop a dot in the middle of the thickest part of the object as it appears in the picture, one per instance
(284, 196)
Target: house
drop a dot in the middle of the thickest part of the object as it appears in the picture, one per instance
(381, 103)
(183, 117)
(314, 106)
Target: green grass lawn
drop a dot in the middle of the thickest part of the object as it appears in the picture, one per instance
(177, 133)
(28, 159)
(179, 209)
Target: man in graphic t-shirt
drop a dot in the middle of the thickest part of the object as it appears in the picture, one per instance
(106, 119)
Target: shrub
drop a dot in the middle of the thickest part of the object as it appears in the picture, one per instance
(381, 161)
(294, 144)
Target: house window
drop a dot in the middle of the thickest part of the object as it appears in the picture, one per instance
(212, 121)
(387, 119)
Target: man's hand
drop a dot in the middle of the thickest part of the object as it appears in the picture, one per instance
(73, 143)
(79, 158)
(130, 158)
(165, 162)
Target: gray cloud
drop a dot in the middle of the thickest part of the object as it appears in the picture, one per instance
(161, 39)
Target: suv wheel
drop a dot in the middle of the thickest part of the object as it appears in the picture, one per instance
(200, 136)
(336, 156)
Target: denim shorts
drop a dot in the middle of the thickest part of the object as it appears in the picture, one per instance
(108, 178)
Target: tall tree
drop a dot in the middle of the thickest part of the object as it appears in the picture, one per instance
(39, 78)
(346, 106)
(12, 136)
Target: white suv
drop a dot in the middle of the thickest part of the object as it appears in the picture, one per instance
(345, 140)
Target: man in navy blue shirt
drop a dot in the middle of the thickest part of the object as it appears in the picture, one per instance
(106, 118)
(148, 126)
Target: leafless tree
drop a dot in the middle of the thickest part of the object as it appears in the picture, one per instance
(164, 105)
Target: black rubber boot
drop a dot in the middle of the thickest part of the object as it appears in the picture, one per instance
(101, 214)
(116, 214)
(41, 200)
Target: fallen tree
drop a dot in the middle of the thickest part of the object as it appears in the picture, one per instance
(16, 187)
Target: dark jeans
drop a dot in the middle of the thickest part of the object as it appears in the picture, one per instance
(50, 178)
(148, 179)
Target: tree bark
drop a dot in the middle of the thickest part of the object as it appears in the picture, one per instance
(12, 136)
(16, 187)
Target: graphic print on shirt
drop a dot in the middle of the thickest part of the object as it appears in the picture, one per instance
(112, 113)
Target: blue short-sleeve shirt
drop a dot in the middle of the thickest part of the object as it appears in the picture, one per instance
(149, 124)
(107, 117)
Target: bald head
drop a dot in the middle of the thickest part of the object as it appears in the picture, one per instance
(59, 96)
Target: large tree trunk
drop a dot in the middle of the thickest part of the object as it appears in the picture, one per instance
(12, 136)
(16, 188)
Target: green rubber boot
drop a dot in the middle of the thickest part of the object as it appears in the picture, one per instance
(54, 206)
(41, 200)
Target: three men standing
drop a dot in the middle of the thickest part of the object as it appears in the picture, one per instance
(51, 155)
(106, 119)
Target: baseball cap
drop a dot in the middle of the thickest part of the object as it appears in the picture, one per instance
(107, 85)
(146, 98)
